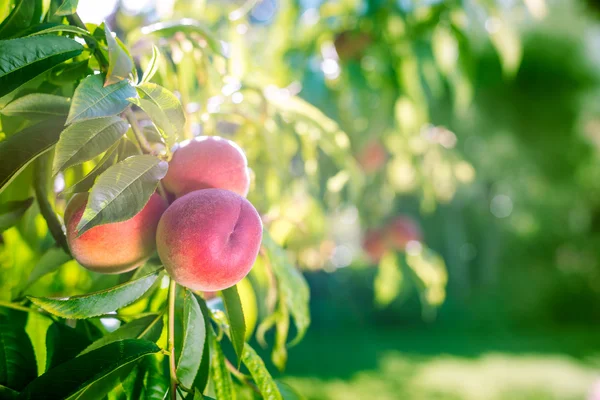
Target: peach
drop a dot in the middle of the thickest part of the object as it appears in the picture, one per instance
(207, 162)
(401, 230)
(374, 244)
(208, 239)
(372, 156)
(116, 247)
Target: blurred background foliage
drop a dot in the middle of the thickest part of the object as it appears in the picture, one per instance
(433, 167)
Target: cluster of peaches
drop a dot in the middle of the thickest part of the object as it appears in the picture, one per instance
(207, 239)
(394, 235)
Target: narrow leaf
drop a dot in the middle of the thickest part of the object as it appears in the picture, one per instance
(263, 379)
(51, 261)
(64, 28)
(23, 59)
(220, 376)
(288, 392)
(86, 183)
(152, 66)
(291, 283)
(235, 314)
(68, 7)
(38, 106)
(12, 211)
(19, 18)
(63, 343)
(97, 303)
(94, 100)
(122, 191)
(194, 337)
(119, 64)
(149, 328)
(86, 369)
(85, 140)
(17, 360)
(21, 148)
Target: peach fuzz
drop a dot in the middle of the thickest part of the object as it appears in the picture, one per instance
(207, 162)
(116, 247)
(208, 239)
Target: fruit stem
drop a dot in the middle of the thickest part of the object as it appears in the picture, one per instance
(171, 339)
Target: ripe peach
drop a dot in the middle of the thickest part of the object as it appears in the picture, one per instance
(374, 244)
(208, 239)
(207, 162)
(372, 156)
(116, 247)
(402, 230)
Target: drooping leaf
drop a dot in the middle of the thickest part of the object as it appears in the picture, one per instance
(17, 360)
(122, 191)
(194, 337)
(44, 188)
(163, 108)
(86, 369)
(288, 392)
(261, 376)
(51, 261)
(219, 373)
(94, 100)
(152, 66)
(20, 149)
(291, 283)
(235, 314)
(68, 7)
(119, 63)
(85, 140)
(282, 326)
(63, 343)
(12, 211)
(148, 327)
(21, 17)
(97, 303)
(25, 58)
(37, 327)
(38, 106)
(86, 183)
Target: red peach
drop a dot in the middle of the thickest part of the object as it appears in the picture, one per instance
(374, 244)
(116, 247)
(372, 156)
(208, 239)
(401, 230)
(207, 162)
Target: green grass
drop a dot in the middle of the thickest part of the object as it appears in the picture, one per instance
(437, 364)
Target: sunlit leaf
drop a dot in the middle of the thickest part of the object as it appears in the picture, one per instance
(87, 369)
(388, 280)
(119, 63)
(51, 261)
(23, 59)
(152, 66)
(17, 360)
(94, 100)
(21, 17)
(12, 211)
(38, 106)
(63, 28)
(235, 314)
(122, 191)
(86, 183)
(85, 140)
(193, 341)
(97, 303)
(267, 386)
(67, 7)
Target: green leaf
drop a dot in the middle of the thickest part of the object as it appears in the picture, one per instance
(288, 392)
(19, 149)
(156, 382)
(85, 140)
(63, 343)
(163, 108)
(44, 188)
(220, 375)
(86, 183)
(119, 65)
(7, 393)
(94, 100)
(122, 191)
(38, 106)
(235, 314)
(19, 18)
(110, 383)
(292, 285)
(86, 369)
(193, 341)
(148, 327)
(388, 280)
(12, 211)
(263, 379)
(51, 261)
(97, 303)
(23, 59)
(68, 7)
(64, 28)
(17, 360)
(152, 66)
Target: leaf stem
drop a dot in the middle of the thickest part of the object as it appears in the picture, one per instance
(241, 377)
(75, 20)
(18, 307)
(171, 339)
